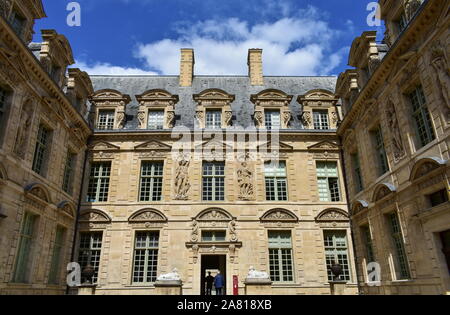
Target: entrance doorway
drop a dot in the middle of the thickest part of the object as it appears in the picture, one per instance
(213, 263)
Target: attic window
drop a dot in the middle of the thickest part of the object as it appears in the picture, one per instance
(17, 22)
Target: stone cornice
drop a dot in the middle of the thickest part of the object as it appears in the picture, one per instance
(401, 46)
(34, 66)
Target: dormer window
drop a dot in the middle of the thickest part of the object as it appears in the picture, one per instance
(156, 120)
(402, 22)
(55, 73)
(105, 120)
(214, 109)
(272, 109)
(320, 111)
(108, 109)
(213, 119)
(156, 110)
(17, 22)
(272, 119)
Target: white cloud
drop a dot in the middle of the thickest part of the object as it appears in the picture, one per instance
(292, 46)
(108, 69)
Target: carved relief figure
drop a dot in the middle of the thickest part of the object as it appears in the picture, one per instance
(398, 148)
(442, 73)
(306, 119)
(259, 118)
(232, 230)
(194, 233)
(245, 182)
(182, 184)
(24, 128)
(228, 117)
(141, 118)
(121, 120)
(170, 119)
(287, 116)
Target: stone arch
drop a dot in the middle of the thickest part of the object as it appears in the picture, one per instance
(358, 206)
(383, 190)
(39, 191)
(279, 215)
(147, 215)
(214, 214)
(424, 166)
(67, 207)
(332, 214)
(94, 216)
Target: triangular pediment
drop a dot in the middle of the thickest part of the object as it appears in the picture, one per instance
(153, 145)
(103, 146)
(280, 146)
(215, 144)
(324, 145)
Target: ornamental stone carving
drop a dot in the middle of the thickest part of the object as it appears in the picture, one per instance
(195, 232)
(397, 142)
(332, 215)
(254, 274)
(26, 117)
(306, 119)
(245, 182)
(147, 215)
(259, 119)
(171, 276)
(439, 63)
(232, 231)
(182, 185)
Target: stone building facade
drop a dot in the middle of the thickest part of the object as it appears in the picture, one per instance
(395, 137)
(178, 176)
(42, 149)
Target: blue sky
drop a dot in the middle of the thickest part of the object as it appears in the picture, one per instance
(299, 37)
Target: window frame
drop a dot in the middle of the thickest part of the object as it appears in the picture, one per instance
(336, 250)
(97, 181)
(285, 275)
(25, 248)
(421, 117)
(42, 149)
(153, 177)
(321, 119)
(216, 181)
(57, 255)
(148, 250)
(328, 179)
(95, 252)
(214, 237)
(69, 168)
(401, 265)
(357, 173)
(158, 120)
(269, 123)
(213, 119)
(379, 147)
(277, 180)
(18, 29)
(109, 120)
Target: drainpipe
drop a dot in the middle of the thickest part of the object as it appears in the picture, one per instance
(75, 232)
(341, 152)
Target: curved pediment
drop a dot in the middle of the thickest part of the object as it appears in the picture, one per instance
(67, 208)
(214, 214)
(425, 166)
(38, 191)
(359, 206)
(318, 97)
(158, 96)
(332, 214)
(279, 215)
(271, 97)
(147, 215)
(94, 216)
(214, 94)
(109, 95)
(382, 191)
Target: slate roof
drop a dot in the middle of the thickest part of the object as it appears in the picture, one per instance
(240, 86)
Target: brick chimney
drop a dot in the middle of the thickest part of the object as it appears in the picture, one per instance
(255, 66)
(187, 67)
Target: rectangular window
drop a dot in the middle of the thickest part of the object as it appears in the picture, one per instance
(367, 239)
(213, 236)
(336, 250)
(145, 257)
(68, 172)
(56, 257)
(399, 246)
(359, 186)
(276, 181)
(273, 119)
(40, 152)
(438, 198)
(156, 120)
(105, 119)
(99, 182)
(445, 238)
(90, 252)
(151, 181)
(214, 181)
(213, 119)
(17, 22)
(422, 116)
(24, 258)
(321, 120)
(280, 256)
(377, 136)
(328, 181)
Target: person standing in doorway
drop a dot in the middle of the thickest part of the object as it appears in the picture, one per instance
(219, 283)
(209, 283)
